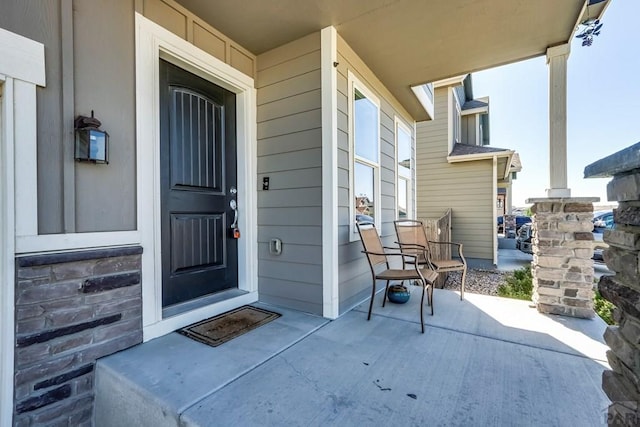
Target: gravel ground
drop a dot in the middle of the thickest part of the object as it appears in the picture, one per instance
(478, 281)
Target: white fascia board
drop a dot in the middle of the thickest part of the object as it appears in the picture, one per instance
(451, 81)
(478, 110)
(424, 100)
(479, 156)
(507, 167)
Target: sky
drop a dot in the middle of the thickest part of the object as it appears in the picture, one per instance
(603, 106)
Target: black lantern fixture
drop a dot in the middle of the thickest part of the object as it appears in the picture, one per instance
(92, 144)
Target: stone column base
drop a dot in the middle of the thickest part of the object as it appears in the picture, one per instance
(562, 249)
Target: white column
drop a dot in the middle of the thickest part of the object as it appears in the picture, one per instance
(557, 60)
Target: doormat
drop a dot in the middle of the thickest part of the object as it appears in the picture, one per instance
(226, 326)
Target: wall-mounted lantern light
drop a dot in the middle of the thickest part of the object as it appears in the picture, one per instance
(92, 144)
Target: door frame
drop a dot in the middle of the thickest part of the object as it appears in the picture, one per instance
(152, 43)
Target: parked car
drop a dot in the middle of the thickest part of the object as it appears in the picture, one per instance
(523, 238)
(602, 220)
(520, 221)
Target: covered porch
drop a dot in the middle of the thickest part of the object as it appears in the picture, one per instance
(294, 68)
(481, 361)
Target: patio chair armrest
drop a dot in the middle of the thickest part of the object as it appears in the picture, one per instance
(459, 245)
(446, 243)
(391, 254)
(411, 245)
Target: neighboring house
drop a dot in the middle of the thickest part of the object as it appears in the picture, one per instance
(505, 187)
(230, 124)
(458, 169)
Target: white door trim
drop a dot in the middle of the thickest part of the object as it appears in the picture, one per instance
(152, 43)
(22, 67)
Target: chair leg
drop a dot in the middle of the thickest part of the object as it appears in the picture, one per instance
(424, 285)
(373, 294)
(384, 297)
(464, 276)
(431, 297)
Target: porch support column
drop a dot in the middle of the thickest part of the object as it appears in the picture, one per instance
(620, 383)
(557, 60)
(562, 249)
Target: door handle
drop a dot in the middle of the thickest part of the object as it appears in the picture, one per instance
(234, 205)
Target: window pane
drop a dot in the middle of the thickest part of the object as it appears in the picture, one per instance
(402, 198)
(364, 176)
(365, 132)
(404, 153)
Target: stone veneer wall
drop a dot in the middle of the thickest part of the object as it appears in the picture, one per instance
(562, 250)
(622, 382)
(71, 309)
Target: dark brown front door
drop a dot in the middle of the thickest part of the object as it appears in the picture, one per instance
(198, 183)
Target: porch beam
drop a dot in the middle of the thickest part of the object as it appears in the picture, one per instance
(557, 60)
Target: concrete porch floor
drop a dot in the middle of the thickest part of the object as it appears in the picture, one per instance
(482, 361)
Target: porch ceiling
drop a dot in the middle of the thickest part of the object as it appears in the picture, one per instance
(405, 42)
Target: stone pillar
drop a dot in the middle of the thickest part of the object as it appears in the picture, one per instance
(562, 249)
(622, 382)
(557, 60)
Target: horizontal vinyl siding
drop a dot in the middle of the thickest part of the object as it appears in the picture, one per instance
(354, 274)
(290, 155)
(465, 188)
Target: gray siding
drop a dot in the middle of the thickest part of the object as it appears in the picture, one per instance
(354, 275)
(98, 74)
(90, 65)
(105, 82)
(466, 188)
(469, 129)
(40, 21)
(290, 155)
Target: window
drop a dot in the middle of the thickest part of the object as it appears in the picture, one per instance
(364, 132)
(455, 118)
(404, 178)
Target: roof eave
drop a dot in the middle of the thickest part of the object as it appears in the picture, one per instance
(479, 156)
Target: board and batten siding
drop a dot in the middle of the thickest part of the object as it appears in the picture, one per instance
(185, 24)
(89, 66)
(354, 274)
(289, 151)
(466, 188)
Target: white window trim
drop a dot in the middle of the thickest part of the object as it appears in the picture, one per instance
(399, 124)
(152, 43)
(355, 83)
(22, 68)
(454, 103)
